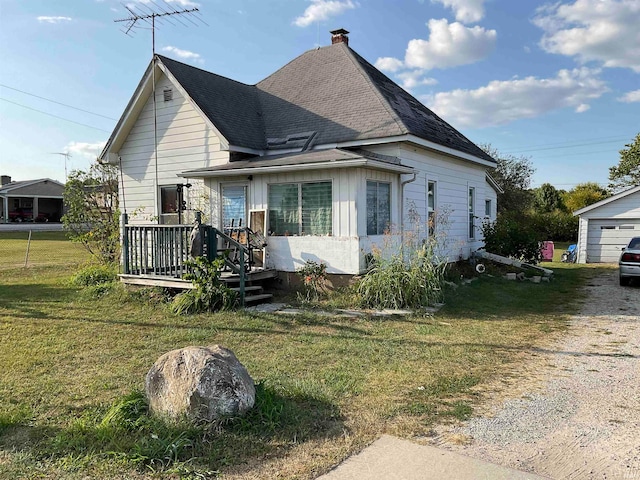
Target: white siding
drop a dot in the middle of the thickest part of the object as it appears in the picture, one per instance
(185, 142)
(340, 251)
(454, 178)
(596, 244)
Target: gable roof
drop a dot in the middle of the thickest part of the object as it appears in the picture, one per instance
(33, 187)
(327, 96)
(606, 201)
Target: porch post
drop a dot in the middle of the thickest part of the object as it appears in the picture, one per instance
(124, 243)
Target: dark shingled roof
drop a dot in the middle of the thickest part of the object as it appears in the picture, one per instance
(332, 91)
(233, 107)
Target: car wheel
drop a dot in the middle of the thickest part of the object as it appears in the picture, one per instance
(624, 281)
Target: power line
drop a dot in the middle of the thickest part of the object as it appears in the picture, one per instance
(577, 145)
(58, 103)
(54, 116)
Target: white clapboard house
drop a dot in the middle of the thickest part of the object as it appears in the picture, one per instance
(323, 156)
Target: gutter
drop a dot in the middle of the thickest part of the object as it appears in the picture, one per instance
(402, 184)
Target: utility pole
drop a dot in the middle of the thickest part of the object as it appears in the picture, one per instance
(147, 15)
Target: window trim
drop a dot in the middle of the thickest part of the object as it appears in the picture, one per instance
(299, 209)
(377, 182)
(221, 202)
(488, 212)
(431, 212)
(471, 199)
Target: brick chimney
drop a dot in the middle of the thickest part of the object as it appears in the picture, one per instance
(339, 36)
(4, 180)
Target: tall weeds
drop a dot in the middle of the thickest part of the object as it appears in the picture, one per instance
(411, 276)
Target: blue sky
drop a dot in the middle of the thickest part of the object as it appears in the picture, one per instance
(557, 82)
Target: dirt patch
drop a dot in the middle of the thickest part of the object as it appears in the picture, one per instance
(573, 411)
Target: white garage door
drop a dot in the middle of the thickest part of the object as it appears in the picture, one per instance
(607, 237)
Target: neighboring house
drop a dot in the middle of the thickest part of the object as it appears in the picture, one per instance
(607, 226)
(325, 155)
(30, 200)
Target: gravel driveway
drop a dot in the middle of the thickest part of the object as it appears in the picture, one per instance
(579, 417)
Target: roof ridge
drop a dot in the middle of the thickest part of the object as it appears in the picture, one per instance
(161, 57)
(383, 101)
(289, 63)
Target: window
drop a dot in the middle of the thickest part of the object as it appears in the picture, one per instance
(300, 209)
(378, 207)
(487, 208)
(431, 207)
(472, 230)
(234, 205)
(169, 199)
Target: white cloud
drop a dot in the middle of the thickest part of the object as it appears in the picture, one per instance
(415, 78)
(467, 11)
(450, 45)
(320, 10)
(630, 97)
(389, 64)
(183, 54)
(604, 31)
(502, 102)
(88, 151)
(43, 19)
(583, 107)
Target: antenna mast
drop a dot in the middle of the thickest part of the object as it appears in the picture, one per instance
(146, 15)
(66, 156)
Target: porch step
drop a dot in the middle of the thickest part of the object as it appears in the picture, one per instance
(249, 288)
(261, 298)
(249, 277)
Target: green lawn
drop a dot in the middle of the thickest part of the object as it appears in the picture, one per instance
(327, 385)
(43, 248)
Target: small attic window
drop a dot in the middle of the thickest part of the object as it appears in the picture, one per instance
(168, 94)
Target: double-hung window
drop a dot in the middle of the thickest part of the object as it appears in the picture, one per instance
(300, 209)
(472, 207)
(378, 207)
(487, 208)
(431, 207)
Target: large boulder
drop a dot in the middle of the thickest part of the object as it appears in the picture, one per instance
(200, 384)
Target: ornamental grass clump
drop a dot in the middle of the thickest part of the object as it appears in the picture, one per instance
(397, 282)
(408, 271)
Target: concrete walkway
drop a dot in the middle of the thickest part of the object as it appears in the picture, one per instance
(392, 458)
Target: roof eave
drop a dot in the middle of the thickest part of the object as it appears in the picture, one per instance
(613, 198)
(415, 140)
(360, 162)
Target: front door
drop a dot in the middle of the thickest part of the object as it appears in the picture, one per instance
(234, 206)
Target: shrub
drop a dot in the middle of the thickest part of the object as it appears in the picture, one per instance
(314, 281)
(210, 293)
(514, 235)
(94, 275)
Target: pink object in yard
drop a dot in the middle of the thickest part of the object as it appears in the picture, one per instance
(547, 251)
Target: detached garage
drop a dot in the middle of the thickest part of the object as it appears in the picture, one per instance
(607, 226)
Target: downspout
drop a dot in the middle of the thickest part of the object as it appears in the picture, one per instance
(402, 184)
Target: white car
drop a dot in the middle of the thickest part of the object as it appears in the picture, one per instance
(630, 262)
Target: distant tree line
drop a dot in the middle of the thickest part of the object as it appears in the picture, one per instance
(527, 216)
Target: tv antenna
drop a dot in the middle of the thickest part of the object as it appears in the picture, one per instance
(143, 14)
(66, 156)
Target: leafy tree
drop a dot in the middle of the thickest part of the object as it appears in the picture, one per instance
(627, 172)
(548, 198)
(516, 235)
(513, 174)
(92, 215)
(583, 195)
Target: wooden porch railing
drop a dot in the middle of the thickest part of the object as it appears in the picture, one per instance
(162, 250)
